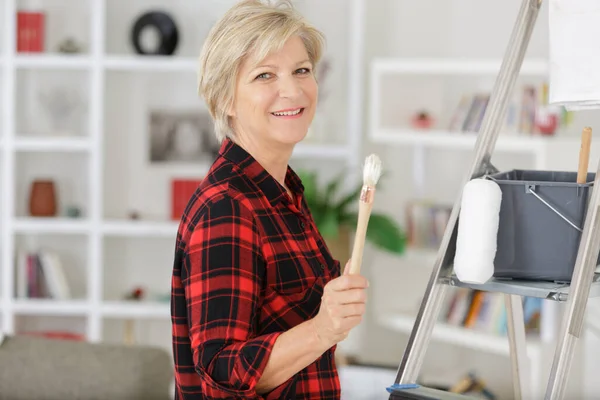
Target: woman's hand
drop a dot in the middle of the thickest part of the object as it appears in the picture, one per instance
(342, 307)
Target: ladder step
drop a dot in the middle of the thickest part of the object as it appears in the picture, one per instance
(544, 290)
(425, 393)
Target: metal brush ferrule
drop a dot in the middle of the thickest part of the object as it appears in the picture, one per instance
(366, 194)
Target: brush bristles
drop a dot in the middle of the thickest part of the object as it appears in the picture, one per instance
(371, 170)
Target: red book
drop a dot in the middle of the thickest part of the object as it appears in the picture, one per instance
(30, 32)
(181, 193)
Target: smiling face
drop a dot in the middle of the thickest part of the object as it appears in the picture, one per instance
(275, 98)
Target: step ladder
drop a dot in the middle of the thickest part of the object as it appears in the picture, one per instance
(575, 294)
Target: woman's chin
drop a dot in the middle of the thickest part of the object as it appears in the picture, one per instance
(293, 138)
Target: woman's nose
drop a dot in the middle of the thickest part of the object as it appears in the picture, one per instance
(289, 87)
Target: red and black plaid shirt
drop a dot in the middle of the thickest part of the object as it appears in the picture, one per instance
(249, 265)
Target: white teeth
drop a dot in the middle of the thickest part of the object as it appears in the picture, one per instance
(288, 112)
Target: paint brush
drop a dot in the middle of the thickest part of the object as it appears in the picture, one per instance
(371, 174)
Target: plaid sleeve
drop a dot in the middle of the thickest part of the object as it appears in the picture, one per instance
(222, 288)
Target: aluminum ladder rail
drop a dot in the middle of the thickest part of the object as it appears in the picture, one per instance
(575, 294)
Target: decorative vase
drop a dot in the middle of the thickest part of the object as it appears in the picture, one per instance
(63, 106)
(155, 33)
(42, 199)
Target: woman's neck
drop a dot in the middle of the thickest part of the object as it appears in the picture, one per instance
(273, 160)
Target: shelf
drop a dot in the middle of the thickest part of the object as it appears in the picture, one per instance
(543, 290)
(132, 309)
(457, 335)
(135, 228)
(51, 225)
(453, 66)
(50, 307)
(151, 63)
(52, 144)
(52, 61)
(459, 140)
(117, 63)
(117, 309)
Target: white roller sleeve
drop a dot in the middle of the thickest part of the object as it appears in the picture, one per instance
(477, 231)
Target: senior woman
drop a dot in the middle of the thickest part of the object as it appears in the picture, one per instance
(258, 302)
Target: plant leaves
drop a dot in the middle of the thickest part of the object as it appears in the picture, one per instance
(329, 226)
(384, 233)
(348, 199)
(330, 216)
(348, 218)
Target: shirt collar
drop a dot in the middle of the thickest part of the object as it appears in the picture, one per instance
(256, 172)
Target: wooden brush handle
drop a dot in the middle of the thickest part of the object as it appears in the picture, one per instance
(584, 155)
(364, 213)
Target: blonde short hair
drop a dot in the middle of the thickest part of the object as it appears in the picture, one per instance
(251, 27)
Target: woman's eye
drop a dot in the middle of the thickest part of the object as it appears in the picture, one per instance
(303, 71)
(264, 75)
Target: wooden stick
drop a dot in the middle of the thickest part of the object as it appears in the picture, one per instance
(584, 154)
(364, 213)
(129, 336)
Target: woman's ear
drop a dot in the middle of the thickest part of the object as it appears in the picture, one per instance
(231, 111)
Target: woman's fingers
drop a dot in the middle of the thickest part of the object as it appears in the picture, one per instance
(346, 282)
(350, 296)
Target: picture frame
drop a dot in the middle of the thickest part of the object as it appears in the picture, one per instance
(181, 137)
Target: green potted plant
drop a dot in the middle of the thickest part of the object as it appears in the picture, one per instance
(336, 215)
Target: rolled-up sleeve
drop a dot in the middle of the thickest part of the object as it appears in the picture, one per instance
(223, 277)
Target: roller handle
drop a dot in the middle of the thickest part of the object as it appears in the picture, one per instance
(584, 154)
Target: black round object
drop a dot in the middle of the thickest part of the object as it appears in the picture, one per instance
(161, 22)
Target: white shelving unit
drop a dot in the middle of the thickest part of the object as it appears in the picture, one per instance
(95, 228)
(484, 342)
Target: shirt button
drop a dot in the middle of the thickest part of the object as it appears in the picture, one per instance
(323, 266)
(302, 224)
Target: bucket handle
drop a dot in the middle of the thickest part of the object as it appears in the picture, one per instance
(531, 189)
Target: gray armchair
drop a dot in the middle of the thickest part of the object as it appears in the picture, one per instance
(51, 369)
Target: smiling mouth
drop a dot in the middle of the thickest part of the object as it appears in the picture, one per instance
(289, 113)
